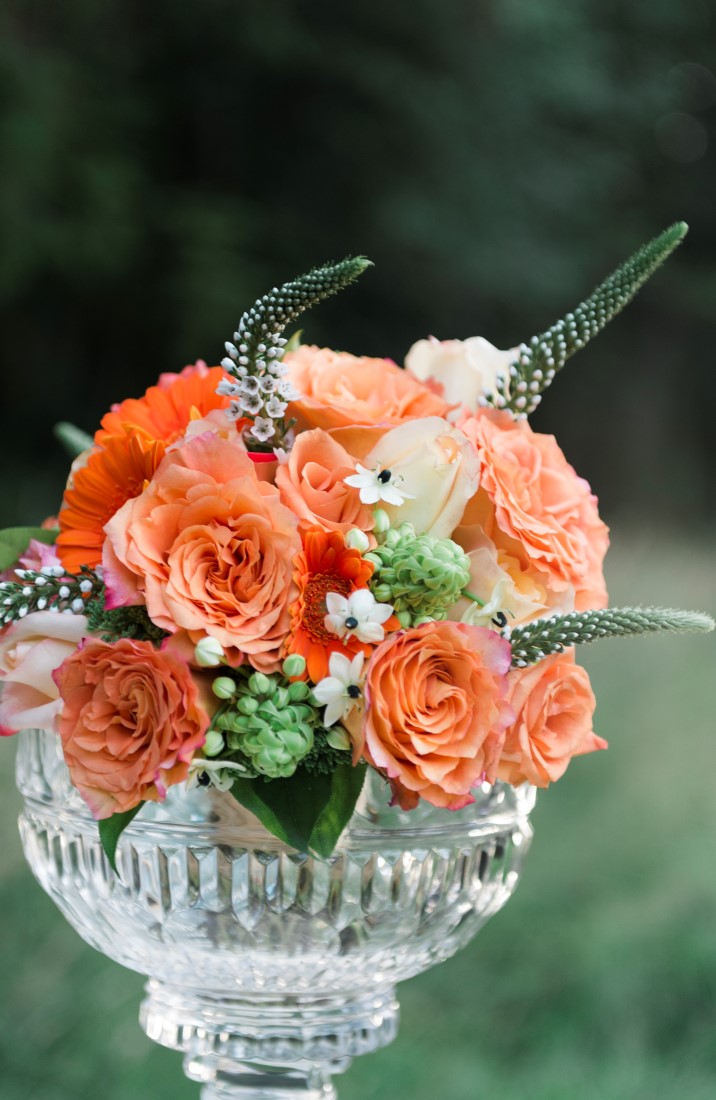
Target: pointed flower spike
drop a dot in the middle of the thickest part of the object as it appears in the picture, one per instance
(258, 339)
(543, 637)
(537, 362)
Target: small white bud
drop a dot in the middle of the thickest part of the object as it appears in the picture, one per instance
(86, 585)
(209, 653)
(78, 604)
(63, 592)
(357, 540)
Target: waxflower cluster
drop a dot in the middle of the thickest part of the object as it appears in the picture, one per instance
(304, 563)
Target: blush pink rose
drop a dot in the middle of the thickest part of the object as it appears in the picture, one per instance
(339, 390)
(536, 499)
(130, 724)
(30, 651)
(436, 711)
(210, 550)
(312, 485)
(553, 704)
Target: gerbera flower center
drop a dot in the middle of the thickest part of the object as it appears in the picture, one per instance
(314, 599)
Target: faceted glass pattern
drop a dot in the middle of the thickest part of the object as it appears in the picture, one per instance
(270, 969)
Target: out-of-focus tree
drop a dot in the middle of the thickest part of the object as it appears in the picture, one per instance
(163, 164)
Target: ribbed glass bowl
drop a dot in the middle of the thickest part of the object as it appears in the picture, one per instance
(270, 969)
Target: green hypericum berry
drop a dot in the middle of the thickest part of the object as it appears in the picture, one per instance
(421, 576)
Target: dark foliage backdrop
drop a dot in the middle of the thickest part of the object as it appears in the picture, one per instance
(163, 164)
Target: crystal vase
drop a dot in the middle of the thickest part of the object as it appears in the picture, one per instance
(270, 969)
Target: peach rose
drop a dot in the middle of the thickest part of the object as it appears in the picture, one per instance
(553, 704)
(30, 651)
(436, 465)
(311, 484)
(130, 723)
(338, 389)
(210, 549)
(436, 711)
(535, 497)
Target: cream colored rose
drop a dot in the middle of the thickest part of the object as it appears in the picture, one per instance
(31, 650)
(437, 468)
(504, 583)
(466, 369)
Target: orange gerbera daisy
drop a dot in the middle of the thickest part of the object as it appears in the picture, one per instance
(113, 474)
(166, 409)
(324, 565)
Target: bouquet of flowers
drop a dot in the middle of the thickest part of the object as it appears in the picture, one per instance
(272, 574)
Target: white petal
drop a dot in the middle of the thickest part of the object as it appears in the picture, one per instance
(381, 612)
(340, 668)
(371, 494)
(356, 667)
(336, 604)
(361, 603)
(335, 624)
(369, 632)
(328, 689)
(391, 494)
(335, 711)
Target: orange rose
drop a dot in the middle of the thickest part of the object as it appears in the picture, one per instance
(553, 704)
(130, 722)
(436, 711)
(210, 549)
(311, 484)
(531, 494)
(339, 390)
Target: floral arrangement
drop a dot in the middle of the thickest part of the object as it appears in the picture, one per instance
(272, 574)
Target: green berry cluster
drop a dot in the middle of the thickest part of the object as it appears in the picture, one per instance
(266, 719)
(421, 576)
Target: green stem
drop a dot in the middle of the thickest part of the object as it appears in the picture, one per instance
(472, 596)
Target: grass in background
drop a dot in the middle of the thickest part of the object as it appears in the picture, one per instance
(597, 981)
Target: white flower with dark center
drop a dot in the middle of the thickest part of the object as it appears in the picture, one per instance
(252, 404)
(378, 484)
(287, 391)
(275, 407)
(267, 384)
(278, 368)
(262, 429)
(228, 389)
(235, 410)
(357, 615)
(250, 384)
(340, 690)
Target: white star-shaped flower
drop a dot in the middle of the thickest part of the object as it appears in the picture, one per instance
(263, 429)
(377, 484)
(340, 690)
(358, 615)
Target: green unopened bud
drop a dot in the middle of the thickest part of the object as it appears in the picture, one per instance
(382, 592)
(337, 738)
(224, 687)
(405, 619)
(208, 653)
(214, 743)
(294, 665)
(357, 540)
(298, 691)
(260, 684)
(421, 576)
(247, 704)
(381, 521)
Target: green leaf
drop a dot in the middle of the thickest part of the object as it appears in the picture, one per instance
(308, 811)
(14, 541)
(73, 439)
(111, 829)
(538, 361)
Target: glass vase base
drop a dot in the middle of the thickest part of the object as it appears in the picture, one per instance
(267, 1048)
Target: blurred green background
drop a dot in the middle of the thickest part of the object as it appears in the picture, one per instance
(164, 164)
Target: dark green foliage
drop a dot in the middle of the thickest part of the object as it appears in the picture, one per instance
(110, 830)
(323, 758)
(122, 622)
(308, 811)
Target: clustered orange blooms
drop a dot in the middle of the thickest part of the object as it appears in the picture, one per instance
(183, 522)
